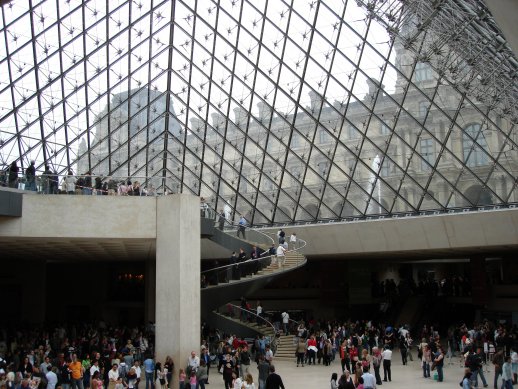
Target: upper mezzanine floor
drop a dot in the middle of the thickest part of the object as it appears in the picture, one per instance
(125, 228)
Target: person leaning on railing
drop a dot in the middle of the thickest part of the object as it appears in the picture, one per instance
(30, 175)
(45, 180)
(13, 175)
(70, 183)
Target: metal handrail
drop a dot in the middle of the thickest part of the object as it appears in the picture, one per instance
(248, 312)
(223, 270)
(158, 191)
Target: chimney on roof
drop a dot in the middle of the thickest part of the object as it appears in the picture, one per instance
(265, 111)
(374, 85)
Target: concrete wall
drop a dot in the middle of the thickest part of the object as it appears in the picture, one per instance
(105, 217)
(83, 217)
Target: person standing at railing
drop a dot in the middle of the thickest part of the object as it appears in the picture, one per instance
(13, 175)
(54, 183)
(30, 175)
(204, 208)
(87, 188)
(98, 186)
(221, 219)
(45, 180)
(122, 190)
(112, 187)
(241, 227)
(243, 267)
(70, 183)
(259, 313)
(105, 189)
(232, 272)
(255, 254)
(135, 189)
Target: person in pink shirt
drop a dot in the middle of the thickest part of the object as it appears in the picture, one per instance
(181, 378)
(192, 380)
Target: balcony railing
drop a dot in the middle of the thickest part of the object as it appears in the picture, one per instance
(143, 186)
(252, 267)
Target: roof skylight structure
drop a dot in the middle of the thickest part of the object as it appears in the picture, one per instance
(282, 111)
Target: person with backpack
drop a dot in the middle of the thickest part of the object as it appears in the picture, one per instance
(474, 362)
(498, 362)
(245, 359)
(123, 370)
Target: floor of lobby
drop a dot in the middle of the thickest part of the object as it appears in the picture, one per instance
(403, 377)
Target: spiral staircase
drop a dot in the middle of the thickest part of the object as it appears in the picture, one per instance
(222, 291)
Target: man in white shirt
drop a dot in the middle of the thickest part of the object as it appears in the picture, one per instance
(194, 361)
(94, 368)
(113, 374)
(45, 366)
(138, 372)
(402, 332)
(280, 255)
(387, 360)
(369, 381)
(52, 377)
(285, 321)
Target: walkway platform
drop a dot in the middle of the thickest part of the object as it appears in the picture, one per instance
(318, 377)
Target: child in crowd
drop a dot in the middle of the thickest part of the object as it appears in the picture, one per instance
(120, 384)
(181, 378)
(192, 380)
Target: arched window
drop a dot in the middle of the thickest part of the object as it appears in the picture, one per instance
(474, 146)
(423, 72)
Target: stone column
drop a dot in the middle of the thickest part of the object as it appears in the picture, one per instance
(177, 279)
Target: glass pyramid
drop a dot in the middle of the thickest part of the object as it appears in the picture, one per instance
(282, 111)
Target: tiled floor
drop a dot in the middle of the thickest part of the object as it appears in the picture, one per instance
(318, 377)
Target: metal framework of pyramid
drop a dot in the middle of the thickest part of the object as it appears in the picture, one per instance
(282, 111)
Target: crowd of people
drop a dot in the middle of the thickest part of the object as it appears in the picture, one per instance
(456, 286)
(105, 357)
(242, 264)
(364, 347)
(86, 184)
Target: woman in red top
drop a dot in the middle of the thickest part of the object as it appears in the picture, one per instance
(312, 349)
(344, 356)
(353, 353)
